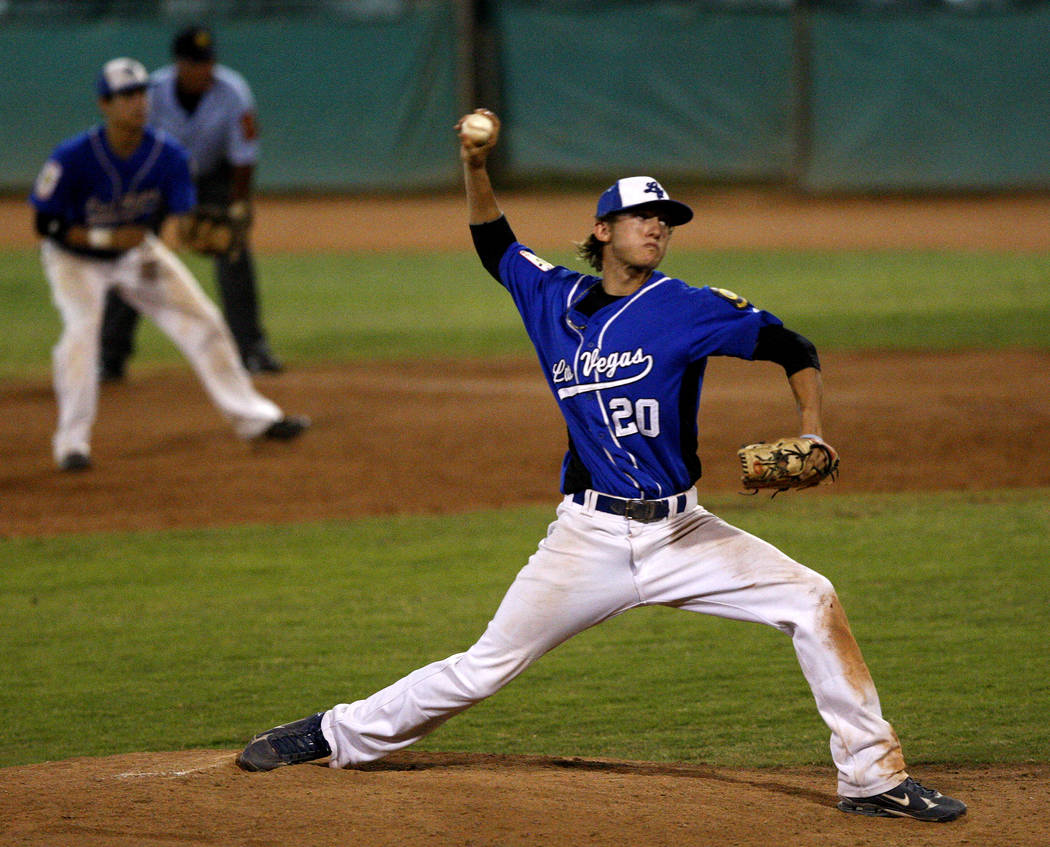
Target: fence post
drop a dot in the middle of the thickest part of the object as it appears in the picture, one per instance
(801, 130)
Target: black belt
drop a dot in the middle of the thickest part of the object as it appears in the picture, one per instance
(645, 511)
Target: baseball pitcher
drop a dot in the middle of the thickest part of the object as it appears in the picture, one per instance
(624, 356)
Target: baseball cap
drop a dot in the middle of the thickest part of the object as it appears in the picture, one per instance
(121, 75)
(195, 43)
(634, 191)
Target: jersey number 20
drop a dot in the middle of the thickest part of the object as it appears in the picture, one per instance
(640, 416)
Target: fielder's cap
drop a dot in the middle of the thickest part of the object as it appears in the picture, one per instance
(121, 75)
(634, 191)
(195, 43)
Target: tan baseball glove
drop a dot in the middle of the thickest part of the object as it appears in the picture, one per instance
(216, 230)
(789, 463)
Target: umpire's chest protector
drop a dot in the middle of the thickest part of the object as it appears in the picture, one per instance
(627, 378)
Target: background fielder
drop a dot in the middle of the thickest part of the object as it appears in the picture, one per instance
(210, 110)
(101, 199)
(624, 356)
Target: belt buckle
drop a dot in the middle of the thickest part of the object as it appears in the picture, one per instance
(644, 511)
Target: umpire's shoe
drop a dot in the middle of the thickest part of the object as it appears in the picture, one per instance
(287, 428)
(288, 744)
(907, 800)
(258, 359)
(111, 370)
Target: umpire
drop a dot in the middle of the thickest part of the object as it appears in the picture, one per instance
(210, 109)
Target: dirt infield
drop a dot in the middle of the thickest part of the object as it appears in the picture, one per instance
(725, 219)
(902, 422)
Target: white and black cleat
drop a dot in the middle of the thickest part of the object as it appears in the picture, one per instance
(907, 800)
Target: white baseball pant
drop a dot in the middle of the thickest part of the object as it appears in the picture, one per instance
(593, 566)
(155, 281)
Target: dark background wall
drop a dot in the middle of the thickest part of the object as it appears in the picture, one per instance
(360, 95)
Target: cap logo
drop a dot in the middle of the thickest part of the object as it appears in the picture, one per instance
(632, 191)
(653, 187)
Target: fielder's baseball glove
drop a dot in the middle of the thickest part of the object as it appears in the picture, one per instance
(216, 230)
(788, 463)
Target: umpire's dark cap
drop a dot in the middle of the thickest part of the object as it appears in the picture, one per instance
(195, 43)
(121, 76)
(632, 191)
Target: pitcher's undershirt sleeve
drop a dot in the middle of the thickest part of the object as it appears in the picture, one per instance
(491, 240)
(793, 352)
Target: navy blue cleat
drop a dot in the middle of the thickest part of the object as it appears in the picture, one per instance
(287, 428)
(75, 462)
(289, 744)
(907, 800)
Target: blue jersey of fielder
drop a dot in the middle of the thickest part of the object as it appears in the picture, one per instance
(627, 377)
(220, 129)
(85, 182)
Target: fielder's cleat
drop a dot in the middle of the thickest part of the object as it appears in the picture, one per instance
(75, 462)
(287, 428)
(907, 800)
(289, 744)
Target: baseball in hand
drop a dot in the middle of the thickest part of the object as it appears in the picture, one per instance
(477, 128)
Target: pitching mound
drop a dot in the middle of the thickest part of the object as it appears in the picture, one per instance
(200, 797)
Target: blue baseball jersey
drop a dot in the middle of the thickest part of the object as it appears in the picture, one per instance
(628, 377)
(221, 129)
(85, 182)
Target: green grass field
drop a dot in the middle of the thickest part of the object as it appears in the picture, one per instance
(172, 640)
(181, 639)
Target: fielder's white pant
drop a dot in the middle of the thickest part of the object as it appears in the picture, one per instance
(153, 280)
(593, 566)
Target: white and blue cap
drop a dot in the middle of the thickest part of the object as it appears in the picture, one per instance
(634, 191)
(119, 76)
